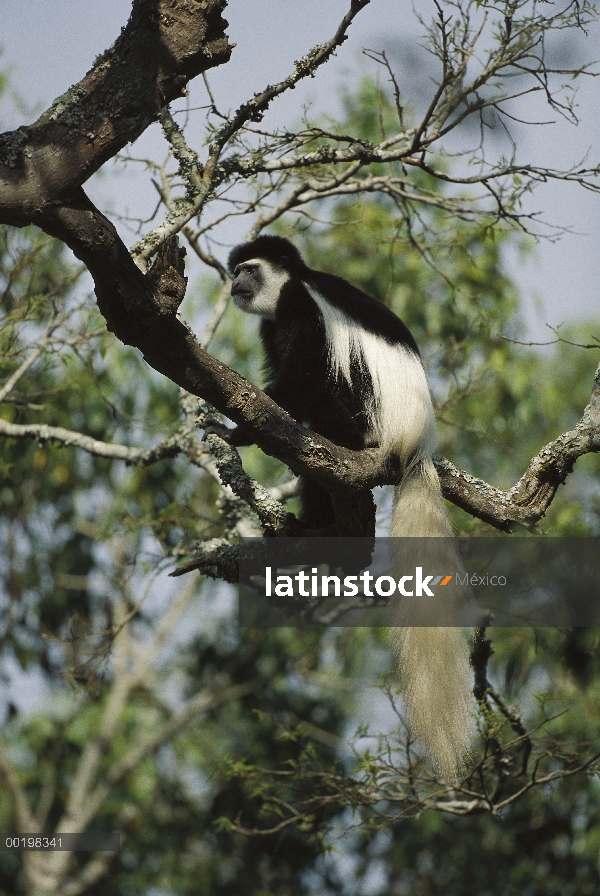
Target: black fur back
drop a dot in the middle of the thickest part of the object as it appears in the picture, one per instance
(369, 314)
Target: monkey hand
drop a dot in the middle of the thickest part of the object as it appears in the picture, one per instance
(235, 437)
(213, 428)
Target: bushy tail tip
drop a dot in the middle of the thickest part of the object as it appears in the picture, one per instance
(434, 667)
(433, 659)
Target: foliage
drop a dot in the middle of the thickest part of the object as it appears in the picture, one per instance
(245, 760)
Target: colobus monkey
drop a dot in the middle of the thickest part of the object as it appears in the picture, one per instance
(343, 363)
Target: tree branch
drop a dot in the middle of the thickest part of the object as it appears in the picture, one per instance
(43, 433)
(141, 309)
(529, 499)
(201, 184)
(24, 817)
(164, 45)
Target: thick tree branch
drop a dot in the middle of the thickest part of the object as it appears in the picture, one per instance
(163, 46)
(141, 311)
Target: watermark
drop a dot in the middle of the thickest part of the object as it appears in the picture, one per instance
(86, 842)
(476, 581)
(385, 586)
(508, 581)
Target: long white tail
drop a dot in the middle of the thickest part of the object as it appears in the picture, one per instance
(433, 660)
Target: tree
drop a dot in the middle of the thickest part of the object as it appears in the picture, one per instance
(76, 579)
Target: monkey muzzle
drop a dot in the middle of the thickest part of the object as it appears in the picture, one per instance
(240, 294)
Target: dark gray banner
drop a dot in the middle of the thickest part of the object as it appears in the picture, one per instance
(506, 581)
(86, 842)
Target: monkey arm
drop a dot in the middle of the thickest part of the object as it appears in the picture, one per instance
(330, 419)
(299, 380)
(321, 409)
(237, 436)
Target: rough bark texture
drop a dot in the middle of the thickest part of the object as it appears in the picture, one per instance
(164, 45)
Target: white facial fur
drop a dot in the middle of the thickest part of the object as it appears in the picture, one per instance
(267, 283)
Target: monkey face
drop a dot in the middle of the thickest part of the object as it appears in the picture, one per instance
(247, 283)
(257, 286)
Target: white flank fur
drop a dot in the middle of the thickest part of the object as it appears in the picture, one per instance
(433, 661)
(402, 414)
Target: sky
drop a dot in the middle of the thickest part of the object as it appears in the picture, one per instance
(47, 46)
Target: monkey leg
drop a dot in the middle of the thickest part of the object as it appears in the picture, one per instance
(316, 506)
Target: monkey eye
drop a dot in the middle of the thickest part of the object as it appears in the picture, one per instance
(244, 266)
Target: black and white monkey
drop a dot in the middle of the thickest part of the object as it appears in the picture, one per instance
(343, 363)
(339, 361)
